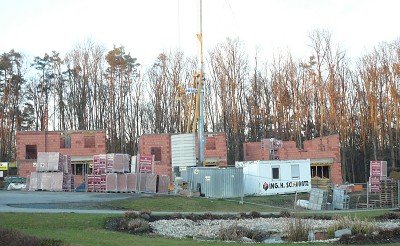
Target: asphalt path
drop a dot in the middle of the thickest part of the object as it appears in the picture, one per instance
(39, 201)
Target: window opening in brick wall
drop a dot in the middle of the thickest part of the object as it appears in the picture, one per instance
(210, 143)
(275, 172)
(80, 169)
(320, 171)
(31, 151)
(65, 142)
(156, 151)
(89, 141)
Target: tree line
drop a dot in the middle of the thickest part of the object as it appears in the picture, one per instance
(249, 99)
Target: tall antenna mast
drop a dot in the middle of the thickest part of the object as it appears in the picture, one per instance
(200, 127)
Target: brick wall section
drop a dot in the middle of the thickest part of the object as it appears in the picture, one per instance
(164, 167)
(25, 167)
(49, 141)
(215, 147)
(147, 141)
(318, 148)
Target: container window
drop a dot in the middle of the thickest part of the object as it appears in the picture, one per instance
(295, 171)
(275, 173)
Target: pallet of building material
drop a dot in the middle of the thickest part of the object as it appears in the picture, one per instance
(111, 182)
(49, 162)
(151, 183)
(67, 166)
(131, 182)
(33, 181)
(163, 184)
(72, 182)
(56, 181)
(118, 163)
(142, 179)
(67, 182)
(28, 182)
(41, 162)
(122, 182)
(55, 162)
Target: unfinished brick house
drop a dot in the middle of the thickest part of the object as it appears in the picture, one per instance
(80, 145)
(159, 145)
(324, 153)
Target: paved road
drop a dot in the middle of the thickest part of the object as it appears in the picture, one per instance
(39, 201)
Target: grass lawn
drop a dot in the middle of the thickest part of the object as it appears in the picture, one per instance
(189, 204)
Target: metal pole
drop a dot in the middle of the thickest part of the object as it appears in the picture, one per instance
(201, 106)
(367, 194)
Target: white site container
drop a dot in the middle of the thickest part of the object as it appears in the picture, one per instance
(275, 177)
(183, 150)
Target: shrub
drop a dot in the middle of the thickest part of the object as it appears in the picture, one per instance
(138, 225)
(145, 214)
(131, 215)
(255, 214)
(298, 229)
(357, 226)
(285, 214)
(10, 237)
(236, 233)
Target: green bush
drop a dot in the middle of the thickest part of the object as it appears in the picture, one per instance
(10, 237)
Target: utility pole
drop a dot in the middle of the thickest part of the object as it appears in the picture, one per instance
(200, 127)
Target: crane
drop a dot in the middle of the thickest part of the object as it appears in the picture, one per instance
(196, 93)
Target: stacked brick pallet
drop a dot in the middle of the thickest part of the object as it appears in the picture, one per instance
(377, 173)
(53, 173)
(111, 174)
(388, 193)
(96, 182)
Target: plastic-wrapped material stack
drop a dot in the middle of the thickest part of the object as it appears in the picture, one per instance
(131, 182)
(53, 173)
(111, 182)
(151, 183)
(163, 184)
(142, 182)
(118, 163)
(121, 182)
(117, 167)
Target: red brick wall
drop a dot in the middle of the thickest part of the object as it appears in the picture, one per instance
(164, 141)
(318, 148)
(25, 167)
(219, 152)
(49, 141)
(147, 141)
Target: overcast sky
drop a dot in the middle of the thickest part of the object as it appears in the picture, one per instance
(149, 27)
